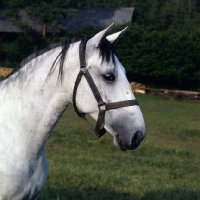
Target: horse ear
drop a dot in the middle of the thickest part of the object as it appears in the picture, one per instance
(115, 37)
(101, 36)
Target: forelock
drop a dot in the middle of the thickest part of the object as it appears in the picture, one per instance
(107, 52)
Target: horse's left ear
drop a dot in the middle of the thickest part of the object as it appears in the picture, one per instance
(100, 37)
(115, 37)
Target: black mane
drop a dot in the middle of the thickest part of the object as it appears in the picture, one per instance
(106, 53)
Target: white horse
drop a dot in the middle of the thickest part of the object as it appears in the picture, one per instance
(34, 96)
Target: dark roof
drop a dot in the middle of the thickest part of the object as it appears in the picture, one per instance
(7, 26)
(95, 17)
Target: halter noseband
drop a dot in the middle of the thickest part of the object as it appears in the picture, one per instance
(103, 106)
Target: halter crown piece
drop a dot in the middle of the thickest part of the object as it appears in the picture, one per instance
(103, 106)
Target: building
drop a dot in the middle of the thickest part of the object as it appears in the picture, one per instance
(95, 17)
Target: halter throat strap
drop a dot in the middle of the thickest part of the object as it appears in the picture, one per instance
(102, 106)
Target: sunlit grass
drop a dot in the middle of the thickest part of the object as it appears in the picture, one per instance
(165, 166)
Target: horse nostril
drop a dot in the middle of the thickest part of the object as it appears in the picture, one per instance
(137, 138)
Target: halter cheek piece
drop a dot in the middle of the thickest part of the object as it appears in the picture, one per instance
(103, 106)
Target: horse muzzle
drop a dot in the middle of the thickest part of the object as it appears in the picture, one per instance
(136, 140)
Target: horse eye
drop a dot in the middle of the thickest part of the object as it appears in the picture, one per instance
(109, 77)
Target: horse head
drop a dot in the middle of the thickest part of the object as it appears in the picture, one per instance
(125, 123)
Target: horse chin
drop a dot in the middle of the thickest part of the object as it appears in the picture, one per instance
(123, 146)
(119, 144)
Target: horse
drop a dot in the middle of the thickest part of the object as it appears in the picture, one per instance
(82, 71)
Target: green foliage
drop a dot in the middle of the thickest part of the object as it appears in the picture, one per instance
(161, 47)
(47, 13)
(169, 57)
(155, 13)
(163, 14)
(22, 47)
(164, 166)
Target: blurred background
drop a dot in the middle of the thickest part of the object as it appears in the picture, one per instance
(161, 47)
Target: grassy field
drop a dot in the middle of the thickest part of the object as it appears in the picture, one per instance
(166, 166)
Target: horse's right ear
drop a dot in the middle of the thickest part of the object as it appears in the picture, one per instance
(100, 37)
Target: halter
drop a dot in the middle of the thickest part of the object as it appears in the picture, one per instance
(103, 106)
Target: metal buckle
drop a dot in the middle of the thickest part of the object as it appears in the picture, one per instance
(102, 104)
(83, 69)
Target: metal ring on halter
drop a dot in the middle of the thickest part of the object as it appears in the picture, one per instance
(102, 104)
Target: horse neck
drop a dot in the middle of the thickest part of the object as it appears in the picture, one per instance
(36, 103)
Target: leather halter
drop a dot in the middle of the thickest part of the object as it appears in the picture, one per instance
(103, 106)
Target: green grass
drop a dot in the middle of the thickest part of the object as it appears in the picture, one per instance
(166, 166)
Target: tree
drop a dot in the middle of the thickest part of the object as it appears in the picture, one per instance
(48, 13)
